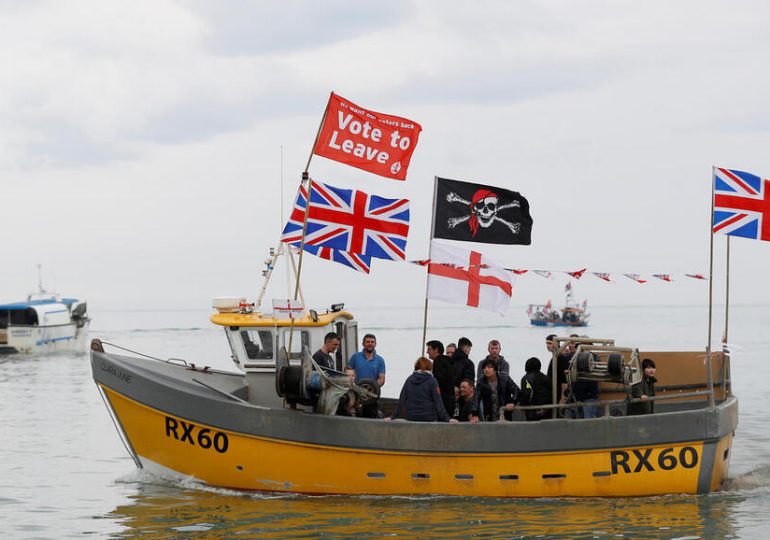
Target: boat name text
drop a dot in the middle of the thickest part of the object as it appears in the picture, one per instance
(115, 372)
(184, 432)
(638, 460)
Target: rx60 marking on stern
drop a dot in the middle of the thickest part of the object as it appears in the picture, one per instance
(635, 461)
(196, 436)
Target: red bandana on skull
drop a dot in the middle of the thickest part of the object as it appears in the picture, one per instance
(480, 195)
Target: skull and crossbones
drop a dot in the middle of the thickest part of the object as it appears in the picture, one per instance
(484, 208)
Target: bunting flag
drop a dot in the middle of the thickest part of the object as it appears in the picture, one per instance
(460, 276)
(350, 220)
(577, 274)
(741, 204)
(480, 213)
(361, 263)
(374, 142)
(604, 276)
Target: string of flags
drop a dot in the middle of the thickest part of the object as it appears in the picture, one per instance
(576, 274)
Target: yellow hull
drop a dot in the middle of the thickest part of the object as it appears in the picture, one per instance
(239, 461)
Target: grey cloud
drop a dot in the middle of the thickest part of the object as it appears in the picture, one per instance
(245, 28)
(63, 145)
(504, 84)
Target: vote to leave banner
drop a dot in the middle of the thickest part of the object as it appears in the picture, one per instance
(374, 142)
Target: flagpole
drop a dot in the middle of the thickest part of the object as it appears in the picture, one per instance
(727, 291)
(306, 177)
(430, 252)
(318, 134)
(711, 290)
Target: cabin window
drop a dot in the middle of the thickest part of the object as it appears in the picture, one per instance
(17, 317)
(300, 340)
(258, 344)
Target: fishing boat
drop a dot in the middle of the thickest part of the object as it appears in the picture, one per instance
(272, 424)
(572, 314)
(44, 322)
(280, 422)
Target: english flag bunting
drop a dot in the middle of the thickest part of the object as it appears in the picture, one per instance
(664, 277)
(602, 275)
(350, 220)
(741, 204)
(465, 277)
(577, 274)
(374, 142)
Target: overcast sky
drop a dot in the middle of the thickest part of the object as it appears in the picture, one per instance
(141, 140)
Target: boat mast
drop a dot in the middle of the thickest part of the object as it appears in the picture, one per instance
(711, 291)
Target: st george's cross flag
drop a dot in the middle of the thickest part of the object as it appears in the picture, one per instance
(350, 220)
(371, 141)
(741, 204)
(460, 276)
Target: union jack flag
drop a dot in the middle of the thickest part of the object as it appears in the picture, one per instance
(350, 220)
(362, 263)
(741, 204)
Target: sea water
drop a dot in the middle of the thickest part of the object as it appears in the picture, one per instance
(64, 472)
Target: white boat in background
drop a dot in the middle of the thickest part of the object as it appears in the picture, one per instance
(45, 322)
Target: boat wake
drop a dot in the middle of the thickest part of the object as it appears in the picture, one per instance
(758, 478)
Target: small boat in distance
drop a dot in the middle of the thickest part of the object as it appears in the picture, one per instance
(44, 322)
(572, 314)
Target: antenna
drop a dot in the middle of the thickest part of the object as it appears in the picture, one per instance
(40, 278)
(281, 224)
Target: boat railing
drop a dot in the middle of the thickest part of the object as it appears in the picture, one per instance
(607, 404)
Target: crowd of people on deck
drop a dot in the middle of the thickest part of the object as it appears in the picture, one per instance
(445, 387)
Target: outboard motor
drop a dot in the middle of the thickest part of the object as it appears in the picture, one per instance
(79, 314)
(310, 385)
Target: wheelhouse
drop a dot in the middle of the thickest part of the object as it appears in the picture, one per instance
(255, 337)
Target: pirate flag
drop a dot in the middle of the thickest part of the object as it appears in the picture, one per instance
(480, 213)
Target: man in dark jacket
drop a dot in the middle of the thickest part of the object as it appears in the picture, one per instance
(562, 366)
(420, 399)
(461, 364)
(492, 393)
(536, 389)
(644, 390)
(443, 373)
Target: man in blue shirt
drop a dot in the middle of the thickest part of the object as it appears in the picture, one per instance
(367, 363)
